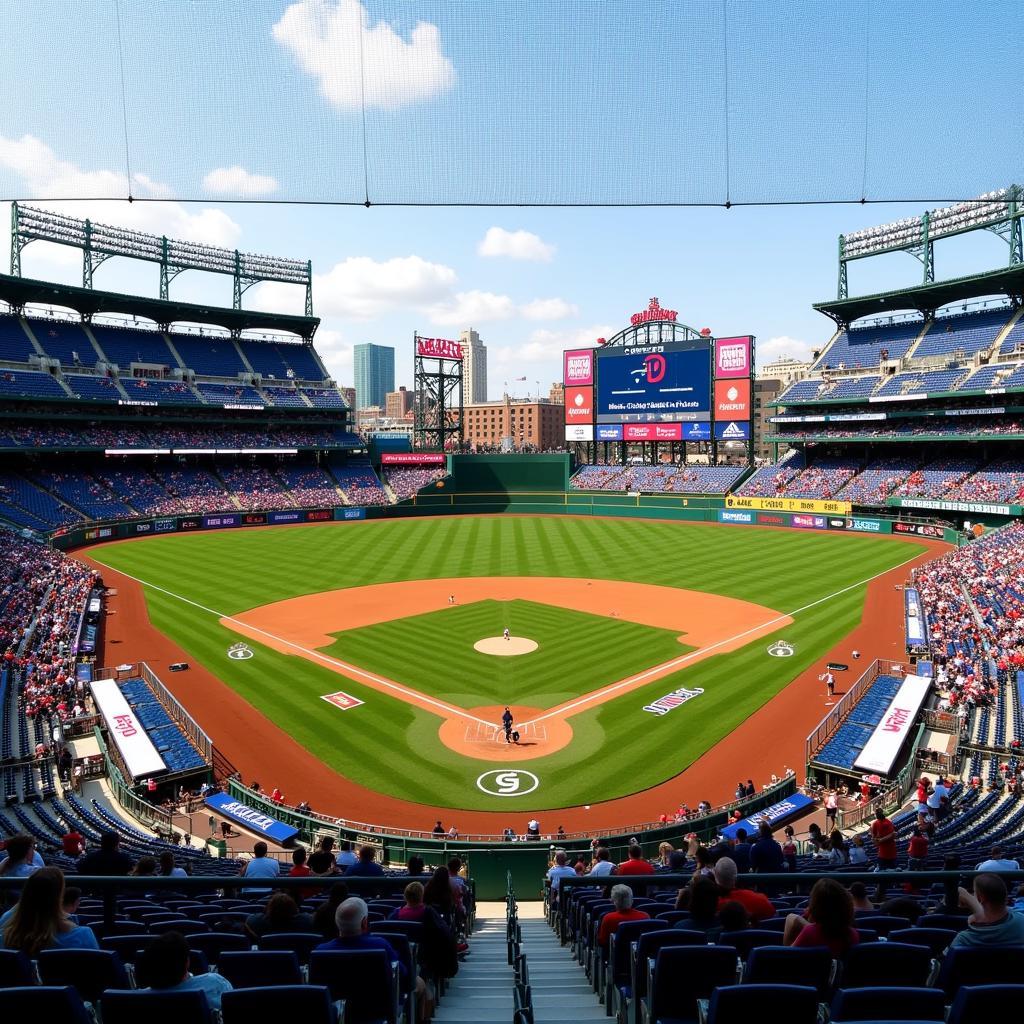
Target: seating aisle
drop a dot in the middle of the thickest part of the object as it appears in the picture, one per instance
(482, 990)
(561, 992)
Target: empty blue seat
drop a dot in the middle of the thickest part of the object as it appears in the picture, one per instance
(363, 978)
(299, 943)
(892, 1003)
(790, 965)
(120, 1006)
(983, 1004)
(15, 969)
(980, 965)
(310, 1004)
(740, 1004)
(260, 967)
(45, 1003)
(685, 974)
(89, 971)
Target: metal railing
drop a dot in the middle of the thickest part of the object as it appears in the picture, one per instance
(141, 810)
(312, 823)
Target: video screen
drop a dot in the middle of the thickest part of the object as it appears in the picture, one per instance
(671, 385)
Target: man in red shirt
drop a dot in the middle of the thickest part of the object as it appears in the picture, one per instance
(622, 899)
(73, 843)
(635, 863)
(883, 832)
(756, 904)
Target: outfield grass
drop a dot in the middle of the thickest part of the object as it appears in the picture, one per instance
(617, 748)
(434, 654)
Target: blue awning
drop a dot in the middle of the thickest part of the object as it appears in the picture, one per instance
(251, 819)
(775, 815)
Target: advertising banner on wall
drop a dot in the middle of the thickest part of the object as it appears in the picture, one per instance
(652, 431)
(838, 508)
(412, 459)
(735, 516)
(579, 432)
(732, 431)
(696, 431)
(438, 348)
(349, 513)
(578, 367)
(732, 357)
(732, 399)
(579, 405)
(883, 746)
(133, 744)
(608, 432)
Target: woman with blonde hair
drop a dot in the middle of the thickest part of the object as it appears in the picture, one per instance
(38, 921)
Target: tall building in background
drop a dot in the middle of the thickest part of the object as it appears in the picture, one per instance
(474, 367)
(374, 373)
(349, 394)
(398, 404)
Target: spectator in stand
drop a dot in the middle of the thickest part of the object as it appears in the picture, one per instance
(917, 850)
(438, 949)
(20, 859)
(166, 963)
(859, 895)
(38, 920)
(367, 865)
(168, 868)
(602, 865)
(766, 855)
(622, 900)
(991, 922)
(789, 848)
(634, 864)
(261, 866)
(346, 857)
(741, 851)
(559, 870)
(858, 855)
(300, 869)
(700, 900)
(323, 916)
(998, 861)
(321, 861)
(73, 843)
(757, 905)
(829, 920)
(884, 834)
(437, 893)
(108, 860)
(281, 914)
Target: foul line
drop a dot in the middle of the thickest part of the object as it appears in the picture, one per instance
(564, 710)
(600, 696)
(350, 670)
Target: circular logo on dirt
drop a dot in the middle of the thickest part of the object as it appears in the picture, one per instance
(239, 652)
(781, 649)
(507, 782)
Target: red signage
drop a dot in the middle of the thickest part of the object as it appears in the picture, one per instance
(579, 367)
(342, 700)
(652, 432)
(653, 312)
(413, 459)
(732, 399)
(438, 348)
(579, 405)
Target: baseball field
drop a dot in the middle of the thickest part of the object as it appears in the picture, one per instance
(379, 648)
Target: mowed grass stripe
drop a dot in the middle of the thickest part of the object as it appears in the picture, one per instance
(618, 748)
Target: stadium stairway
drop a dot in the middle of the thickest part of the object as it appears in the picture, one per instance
(561, 992)
(482, 990)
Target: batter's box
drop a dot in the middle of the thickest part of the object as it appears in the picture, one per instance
(342, 700)
(480, 732)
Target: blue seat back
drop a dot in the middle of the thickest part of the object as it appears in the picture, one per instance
(739, 1004)
(118, 1006)
(310, 1004)
(790, 965)
(982, 1004)
(252, 969)
(891, 1002)
(89, 971)
(362, 977)
(45, 1003)
(299, 943)
(885, 964)
(684, 974)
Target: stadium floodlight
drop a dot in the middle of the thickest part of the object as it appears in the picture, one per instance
(99, 242)
(999, 211)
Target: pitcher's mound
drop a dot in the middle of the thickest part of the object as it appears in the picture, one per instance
(505, 648)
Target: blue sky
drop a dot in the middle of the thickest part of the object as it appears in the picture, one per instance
(486, 101)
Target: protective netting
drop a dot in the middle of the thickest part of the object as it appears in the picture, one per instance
(582, 102)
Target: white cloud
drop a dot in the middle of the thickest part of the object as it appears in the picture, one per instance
(546, 346)
(329, 38)
(775, 348)
(548, 309)
(517, 245)
(43, 173)
(237, 181)
(336, 353)
(474, 307)
(361, 288)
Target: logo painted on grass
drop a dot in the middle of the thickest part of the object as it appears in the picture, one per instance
(663, 705)
(239, 652)
(507, 782)
(342, 700)
(781, 649)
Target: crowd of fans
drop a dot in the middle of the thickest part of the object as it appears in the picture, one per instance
(405, 481)
(15, 434)
(664, 478)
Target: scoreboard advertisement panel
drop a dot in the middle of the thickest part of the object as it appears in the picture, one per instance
(669, 385)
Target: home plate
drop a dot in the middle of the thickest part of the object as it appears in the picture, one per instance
(505, 648)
